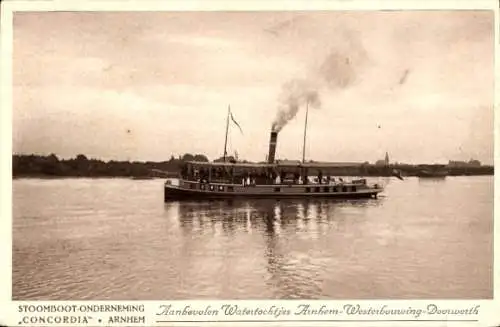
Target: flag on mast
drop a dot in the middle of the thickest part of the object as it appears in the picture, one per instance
(234, 120)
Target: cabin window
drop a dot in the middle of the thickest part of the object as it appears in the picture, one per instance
(211, 187)
(202, 186)
(353, 188)
(317, 189)
(344, 189)
(308, 189)
(277, 189)
(230, 189)
(326, 189)
(221, 188)
(335, 189)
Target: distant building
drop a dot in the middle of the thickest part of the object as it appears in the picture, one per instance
(474, 163)
(470, 163)
(383, 162)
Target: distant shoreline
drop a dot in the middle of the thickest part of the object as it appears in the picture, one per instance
(138, 178)
(157, 178)
(50, 167)
(48, 177)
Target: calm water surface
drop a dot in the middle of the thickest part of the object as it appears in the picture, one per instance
(115, 239)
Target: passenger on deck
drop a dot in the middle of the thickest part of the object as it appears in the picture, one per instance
(184, 171)
(200, 174)
(273, 177)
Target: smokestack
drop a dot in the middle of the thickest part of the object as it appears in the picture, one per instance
(272, 147)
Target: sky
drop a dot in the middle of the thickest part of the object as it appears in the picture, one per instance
(147, 85)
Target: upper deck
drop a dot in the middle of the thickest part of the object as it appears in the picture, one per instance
(278, 164)
(280, 172)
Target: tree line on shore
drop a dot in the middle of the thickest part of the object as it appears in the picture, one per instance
(81, 166)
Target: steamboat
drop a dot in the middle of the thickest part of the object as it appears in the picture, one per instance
(270, 179)
(432, 172)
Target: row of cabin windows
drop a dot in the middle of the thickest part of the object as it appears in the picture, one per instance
(328, 189)
(325, 189)
(204, 187)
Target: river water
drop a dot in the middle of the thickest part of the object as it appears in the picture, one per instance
(116, 239)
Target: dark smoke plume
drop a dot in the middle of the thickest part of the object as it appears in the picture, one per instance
(342, 67)
(339, 70)
(295, 94)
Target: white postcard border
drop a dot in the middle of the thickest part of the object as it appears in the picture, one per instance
(9, 310)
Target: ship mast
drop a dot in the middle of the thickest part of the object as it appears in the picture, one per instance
(305, 133)
(227, 129)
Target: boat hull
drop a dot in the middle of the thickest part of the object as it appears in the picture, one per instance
(432, 175)
(173, 192)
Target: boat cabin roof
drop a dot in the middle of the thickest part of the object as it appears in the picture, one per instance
(230, 164)
(278, 164)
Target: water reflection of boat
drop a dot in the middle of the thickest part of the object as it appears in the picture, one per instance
(236, 213)
(281, 229)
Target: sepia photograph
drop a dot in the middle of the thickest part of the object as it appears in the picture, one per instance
(253, 155)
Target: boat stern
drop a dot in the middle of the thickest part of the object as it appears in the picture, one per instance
(376, 189)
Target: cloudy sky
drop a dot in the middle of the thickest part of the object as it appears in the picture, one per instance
(145, 85)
